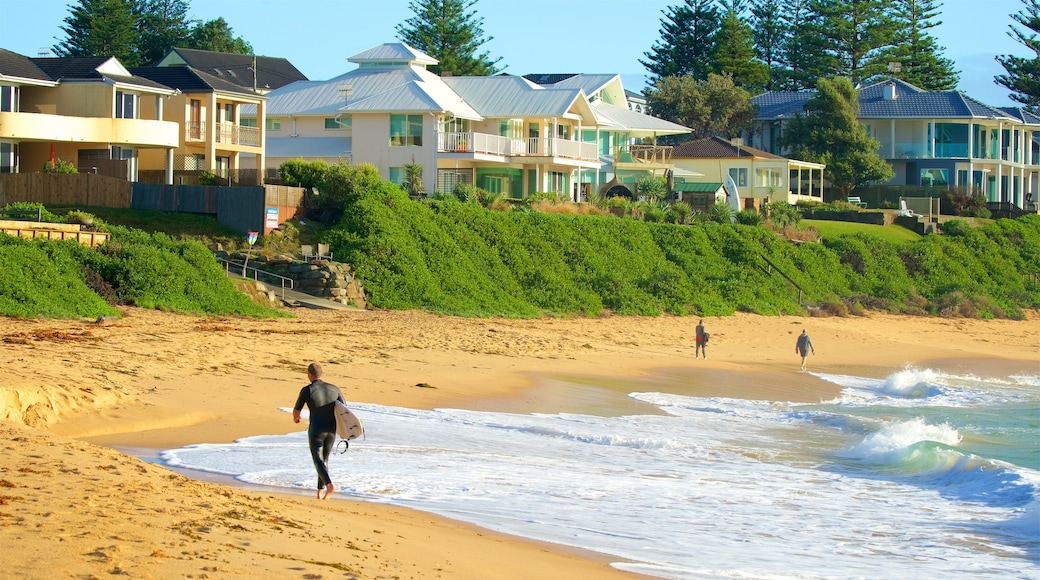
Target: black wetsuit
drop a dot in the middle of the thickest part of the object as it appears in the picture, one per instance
(320, 398)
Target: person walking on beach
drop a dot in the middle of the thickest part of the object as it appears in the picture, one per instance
(320, 398)
(803, 346)
(702, 341)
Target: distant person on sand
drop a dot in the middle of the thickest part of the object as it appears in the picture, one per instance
(803, 346)
(702, 341)
(320, 398)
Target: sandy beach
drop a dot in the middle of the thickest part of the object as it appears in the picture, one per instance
(73, 392)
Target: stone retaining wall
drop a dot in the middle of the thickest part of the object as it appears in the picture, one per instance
(321, 278)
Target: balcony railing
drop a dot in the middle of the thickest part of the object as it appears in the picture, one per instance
(510, 147)
(647, 154)
(233, 134)
(195, 131)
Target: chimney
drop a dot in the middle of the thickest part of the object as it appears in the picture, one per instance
(890, 91)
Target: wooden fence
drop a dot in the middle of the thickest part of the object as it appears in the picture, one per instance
(52, 189)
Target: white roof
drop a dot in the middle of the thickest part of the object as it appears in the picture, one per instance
(622, 118)
(512, 97)
(393, 52)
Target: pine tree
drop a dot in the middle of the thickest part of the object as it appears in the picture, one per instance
(918, 55)
(101, 28)
(830, 133)
(804, 54)
(217, 36)
(164, 25)
(856, 35)
(735, 55)
(687, 41)
(769, 34)
(1023, 74)
(448, 31)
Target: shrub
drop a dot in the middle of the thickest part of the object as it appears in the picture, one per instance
(207, 178)
(302, 173)
(59, 166)
(749, 217)
(720, 212)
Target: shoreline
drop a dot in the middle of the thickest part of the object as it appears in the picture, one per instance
(159, 381)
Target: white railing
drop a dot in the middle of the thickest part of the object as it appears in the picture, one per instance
(238, 135)
(509, 147)
(195, 131)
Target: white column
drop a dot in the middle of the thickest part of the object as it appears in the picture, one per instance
(169, 166)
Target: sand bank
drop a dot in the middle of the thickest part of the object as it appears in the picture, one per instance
(71, 390)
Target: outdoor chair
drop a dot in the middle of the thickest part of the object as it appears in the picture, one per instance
(904, 211)
(323, 252)
(308, 252)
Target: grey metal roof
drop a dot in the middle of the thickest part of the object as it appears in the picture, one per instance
(512, 97)
(393, 52)
(623, 118)
(590, 83)
(308, 147)
(910, 102)
(376, 89)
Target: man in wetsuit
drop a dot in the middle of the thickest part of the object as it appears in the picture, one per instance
(702, 341)
(320, 398)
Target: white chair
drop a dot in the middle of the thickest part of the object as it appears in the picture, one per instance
(323, 252)
(904, 211)
(308, 252)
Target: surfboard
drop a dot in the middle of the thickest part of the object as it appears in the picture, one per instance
(732, 198)
(348, 426)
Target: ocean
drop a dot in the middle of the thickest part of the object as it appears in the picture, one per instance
(920, 474)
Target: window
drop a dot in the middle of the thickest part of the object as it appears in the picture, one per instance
(768, 177)
(274, 124)
(247, 122)
(934, 177)
(228, 111)
(406, 130)
(8, 157)
(557, 182)
(344, 122)
(397, 175)
(739, 175)
(511, 128)
(126, 105)
(455, 125)
(9, 99)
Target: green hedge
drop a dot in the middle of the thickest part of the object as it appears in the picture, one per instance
(453, 257)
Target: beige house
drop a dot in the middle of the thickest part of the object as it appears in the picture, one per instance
(90, 111)
(760, 176)
(213, 137)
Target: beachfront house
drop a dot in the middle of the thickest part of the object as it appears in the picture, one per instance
(760, 176)
(506, 134)
(213, 138)
(89, 111)
(935, 140)
(258, 74)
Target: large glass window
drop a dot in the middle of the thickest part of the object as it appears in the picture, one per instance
(739, 175)
(406, 130)
(126, 105)
(951, 140)
(9, 99)
(935, 177)
(768, 177)
(274, 124)
(332, 123)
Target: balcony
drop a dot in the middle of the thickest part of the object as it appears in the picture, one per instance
(644, 157)
(226, 133)
(486, 144)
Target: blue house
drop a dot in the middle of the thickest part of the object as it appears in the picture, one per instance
(933, 138)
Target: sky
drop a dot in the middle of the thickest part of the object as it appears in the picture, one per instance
(531, 36)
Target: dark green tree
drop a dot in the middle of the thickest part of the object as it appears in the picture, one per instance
(803, 52)
(217, 36)
(768, 35)
(916, 51)
(711, 107)
(856, 34)
(101, 28)
(450, 32)
(164, 25)
(735, 55)
(830, 133)
(1023, 74)
(687, 41)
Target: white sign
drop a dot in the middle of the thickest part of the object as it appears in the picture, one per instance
(272, 218)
